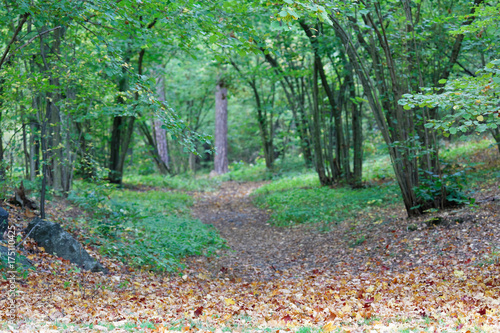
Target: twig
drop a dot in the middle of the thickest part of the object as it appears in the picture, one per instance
(23, 20)
(27, 235)
(32, 39)
(466, 70)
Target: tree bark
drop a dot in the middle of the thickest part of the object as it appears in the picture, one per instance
(2, 166)
(341, 148)
(160, 133)
(316, 132)
(121, 132)
(220, 160)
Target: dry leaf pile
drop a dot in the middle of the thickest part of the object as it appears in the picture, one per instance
(436, 278)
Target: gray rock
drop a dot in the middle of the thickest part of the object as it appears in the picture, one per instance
(20, 260)
(4, 221)
(56, 241)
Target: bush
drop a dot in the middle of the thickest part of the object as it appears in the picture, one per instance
(151, 230)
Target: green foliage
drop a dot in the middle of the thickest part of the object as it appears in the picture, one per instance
(21, 271)
(432, 186)
(378, 167)
(151, 230)
(470, 103)
(240, 171)
(187, 182)
(306, 180)
(321, 204)
(464, 149)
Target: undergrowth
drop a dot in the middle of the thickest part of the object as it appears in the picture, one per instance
(186, 182)
(299, 198)
(244, 172)
(321, 204)
(150, 230)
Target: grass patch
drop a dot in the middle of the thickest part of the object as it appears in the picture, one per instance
(323, 204)
(307, 180)
(378, 167)
(149, 230)
(184, 182)
(463, 150)
(243, 172)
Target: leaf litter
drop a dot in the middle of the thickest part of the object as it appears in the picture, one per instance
(405, 275)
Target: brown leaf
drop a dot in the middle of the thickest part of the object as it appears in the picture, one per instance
(198, 311)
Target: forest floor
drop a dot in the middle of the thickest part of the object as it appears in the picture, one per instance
(402, 275)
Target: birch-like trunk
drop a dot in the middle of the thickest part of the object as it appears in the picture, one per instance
(220, 160)
(160, 133)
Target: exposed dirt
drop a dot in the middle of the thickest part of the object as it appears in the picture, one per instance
(259, 250)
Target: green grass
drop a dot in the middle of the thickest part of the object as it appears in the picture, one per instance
(378, 167)
(243, 172)
(322, 204)
(298, 198)
(306, 180)
(465, 149)
(149, 230)
(184, 182)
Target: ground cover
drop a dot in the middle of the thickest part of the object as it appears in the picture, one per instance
(373, 270)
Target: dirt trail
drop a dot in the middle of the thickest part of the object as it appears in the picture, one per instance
(260, 251)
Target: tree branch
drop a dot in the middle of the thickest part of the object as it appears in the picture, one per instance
(20, 25)
(32, 39)
(458, 44)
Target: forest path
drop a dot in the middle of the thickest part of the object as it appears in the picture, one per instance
(258, 250)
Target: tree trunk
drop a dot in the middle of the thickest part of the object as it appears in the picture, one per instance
(153, 148)
(220, 160)
(296, 108)
(2, 164)
(121, 134)
(357, 135)
(160, 133)
(192, 162)
(316, 132)
(496, 135)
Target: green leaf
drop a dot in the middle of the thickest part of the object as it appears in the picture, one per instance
(453, 130)
(481, 127)
(213, 39)
(442, 81)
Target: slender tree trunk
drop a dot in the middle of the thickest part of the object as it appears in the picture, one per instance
(26, 153)
(192, 162)
(316, 131)
(357, 135)
(121, 135)
(160, 133)
(266, 138)
(220, 160)
(496, 135)
(297, 111)
(153, 150)
(34, 147)
(87, 169)
(2, 163)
